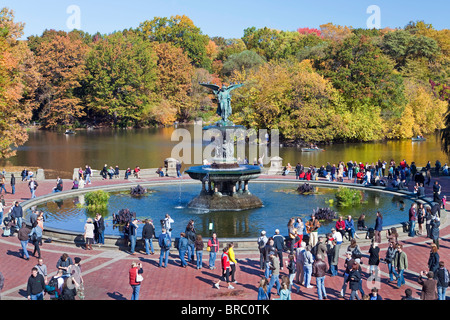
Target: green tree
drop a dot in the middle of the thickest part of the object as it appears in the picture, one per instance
(245, 60)
(182, 33)
(121, 77)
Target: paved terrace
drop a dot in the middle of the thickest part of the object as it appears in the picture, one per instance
(105, 270)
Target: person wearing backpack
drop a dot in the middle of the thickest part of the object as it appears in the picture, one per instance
(165, 243)
(262, 241)
(442, 277)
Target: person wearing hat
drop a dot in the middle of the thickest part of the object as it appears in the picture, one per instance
(89, 233)
(278, 243)
(262, 241)
(75, 273)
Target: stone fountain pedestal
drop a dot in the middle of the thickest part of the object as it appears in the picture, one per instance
(225, 187)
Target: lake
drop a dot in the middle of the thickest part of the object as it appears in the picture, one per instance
(59, 154)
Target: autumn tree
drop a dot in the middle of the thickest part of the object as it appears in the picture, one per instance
(291, 97)
(173, 84)
(121, 78)
(17, 81)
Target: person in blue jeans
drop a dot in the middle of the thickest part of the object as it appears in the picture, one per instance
(136, 268)
(133, 235)
(213, 244)
(350, 227)
(35, 285)
(164, 242)
(308, 261)
(400, 265)
(148, 233)
(390, 254)
(275, 278)
(412, 220)
(442, 277)
(182, 248)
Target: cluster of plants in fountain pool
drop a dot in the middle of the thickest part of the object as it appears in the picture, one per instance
(325, 214)
(96, 200)
(346, 197)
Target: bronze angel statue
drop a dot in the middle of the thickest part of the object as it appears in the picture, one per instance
(223, 96)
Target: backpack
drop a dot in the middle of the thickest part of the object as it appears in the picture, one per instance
(167, 243)
(261, 243)
(356, 254)
(52, 287)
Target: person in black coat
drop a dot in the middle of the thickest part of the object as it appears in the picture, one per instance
(353, 279)
(278, 243)
(99, 229)
(148, 233)
(433, 260)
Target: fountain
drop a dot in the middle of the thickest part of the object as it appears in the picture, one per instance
(225, 181)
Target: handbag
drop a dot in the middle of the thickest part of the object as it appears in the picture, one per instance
(208, 248)
(139, 277)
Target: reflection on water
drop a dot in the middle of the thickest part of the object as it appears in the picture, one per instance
(281, 202)
(59, 154)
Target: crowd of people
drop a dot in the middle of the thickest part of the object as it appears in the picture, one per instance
(303, 252)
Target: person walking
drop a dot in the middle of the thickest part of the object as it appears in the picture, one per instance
(17, 214)
(148, 233)
(24, 238)
(89, 233)
(400, 265)
(35, 285)
(75, 273)
(135, 279)
(319, 271)
(275, 278)
(354, 279)
(233, 262)
(213, 244)
(198, 244)
(225, 269)
(32, 185)
(36, 238)
(165, 242)
(442, 277)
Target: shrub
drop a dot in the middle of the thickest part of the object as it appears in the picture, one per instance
(325, 214)
(346, 197)
(96, 199)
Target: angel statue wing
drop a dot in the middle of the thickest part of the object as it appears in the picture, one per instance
(211, 86)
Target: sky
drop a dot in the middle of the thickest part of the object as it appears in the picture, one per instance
(227, 19)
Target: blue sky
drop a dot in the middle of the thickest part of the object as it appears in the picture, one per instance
(224, 18)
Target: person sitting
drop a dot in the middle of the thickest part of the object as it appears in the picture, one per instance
(421, 191)
(160, 172)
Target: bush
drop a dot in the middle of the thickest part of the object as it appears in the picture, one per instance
(346, 197)
(96, 199)
(325, 214)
